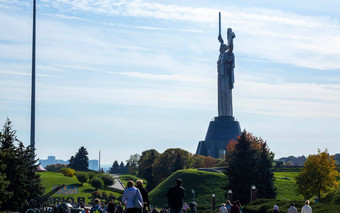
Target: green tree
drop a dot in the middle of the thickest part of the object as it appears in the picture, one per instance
(107, 179)
(265, 174)
(4, 193)
(55, 167)
(168, 162)
(20, 169)
(121, 164)
(249, 162)
(145, 167)
(114, 168)
(80, 162)
(132, 163)
(82, 177)
(241, 168)
(97, 183)
(318, 175)
(197, 161)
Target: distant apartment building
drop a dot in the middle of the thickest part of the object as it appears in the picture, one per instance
(94, 165)
(51, 160)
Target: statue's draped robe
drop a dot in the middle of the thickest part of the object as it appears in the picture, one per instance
(226, 65)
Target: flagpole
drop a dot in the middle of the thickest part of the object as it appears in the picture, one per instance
(32, 141)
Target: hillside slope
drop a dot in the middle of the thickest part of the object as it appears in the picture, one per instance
(73, 192)
(203, 183)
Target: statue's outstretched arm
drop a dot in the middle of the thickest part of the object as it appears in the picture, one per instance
(220, 39)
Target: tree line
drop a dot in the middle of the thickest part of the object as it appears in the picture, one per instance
(154, 167)
(248, 162)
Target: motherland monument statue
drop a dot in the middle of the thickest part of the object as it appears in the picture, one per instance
(225, 69)
(223, 128)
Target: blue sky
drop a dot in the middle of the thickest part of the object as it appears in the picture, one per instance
(126, 76)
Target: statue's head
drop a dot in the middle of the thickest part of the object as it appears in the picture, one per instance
(230, 34)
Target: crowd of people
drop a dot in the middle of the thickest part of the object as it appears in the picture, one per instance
(229, 207)
(235, 207)
(136, 200)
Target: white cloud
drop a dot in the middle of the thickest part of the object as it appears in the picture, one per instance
(284, 37)
(167, 77)
(63, 16)
(160, 28)
(28, 74)
(289, 99)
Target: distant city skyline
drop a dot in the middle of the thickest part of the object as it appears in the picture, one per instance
(51, 160)
(127, 76)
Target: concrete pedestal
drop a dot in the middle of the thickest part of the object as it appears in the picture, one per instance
(220, 132)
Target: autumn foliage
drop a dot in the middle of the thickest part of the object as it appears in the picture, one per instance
(318, 176)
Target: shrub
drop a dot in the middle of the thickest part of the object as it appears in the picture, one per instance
(68, 172)
(97, 183)
(107, 179)
(82, 177)
(91, 175)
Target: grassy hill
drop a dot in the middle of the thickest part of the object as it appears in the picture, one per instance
(203, 183)
(50, 179)
(285, 185)
(207, 183)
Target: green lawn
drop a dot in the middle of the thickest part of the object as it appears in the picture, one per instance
(203, 183)
(207, 183)
(285, 185)
(50, 179)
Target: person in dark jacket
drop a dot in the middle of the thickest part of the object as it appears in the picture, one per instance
(144, 192)
(235, 208)
(119, 208)
(111, 207)
(193, 205)
(175, 196)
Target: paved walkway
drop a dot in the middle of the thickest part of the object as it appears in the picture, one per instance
(118, 184)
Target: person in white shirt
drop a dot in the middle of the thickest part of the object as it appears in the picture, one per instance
(131, 194)
(306, 208)
(223, 209)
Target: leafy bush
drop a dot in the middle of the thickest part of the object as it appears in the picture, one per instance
(97, 183)
(55, 167)
(107, 179)
(336, 197)
(68, 172)
(82, 177)
(91, 175)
